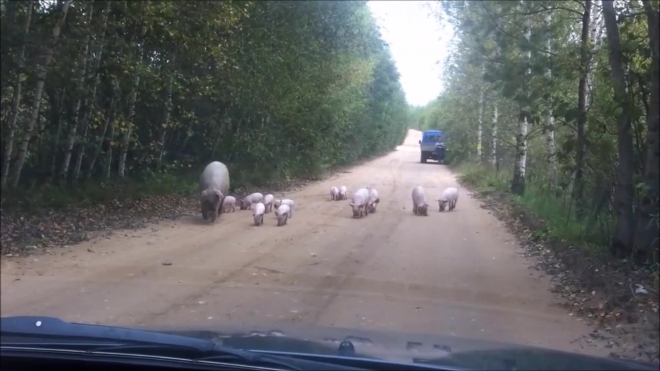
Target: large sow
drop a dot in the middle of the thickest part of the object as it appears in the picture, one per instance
(213, 187)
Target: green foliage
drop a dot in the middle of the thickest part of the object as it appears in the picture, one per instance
(538, 79)
(276, 90)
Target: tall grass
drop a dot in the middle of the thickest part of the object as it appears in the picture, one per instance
(555, 209)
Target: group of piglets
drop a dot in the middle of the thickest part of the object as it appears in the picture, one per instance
(214, 186)
(262, 205)
(447, 200)
(363, 202)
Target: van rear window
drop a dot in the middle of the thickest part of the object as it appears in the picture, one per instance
(431, 138)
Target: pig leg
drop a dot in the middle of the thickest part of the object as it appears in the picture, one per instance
(220, 208)
(414, 209)
(217, 208)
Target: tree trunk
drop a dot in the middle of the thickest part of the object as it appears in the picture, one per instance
(10, 13)
(42, 70)
(167, 112)
(646, 235)
(519, 170)
(90, 99)
(16, 100)
(126, 138)
(81, 154)
(578, 187)
(624, 192)
(107, 162)
(480, 123)
(595, 35)
(56, 120)
(79, 92)
(493, 138)
(109, 117)
(549, 120)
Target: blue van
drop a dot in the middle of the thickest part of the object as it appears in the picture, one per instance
(428, 146)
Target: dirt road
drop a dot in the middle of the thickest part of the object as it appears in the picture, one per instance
(454, 273)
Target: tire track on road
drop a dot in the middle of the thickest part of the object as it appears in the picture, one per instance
(241, 274)
(328, 288)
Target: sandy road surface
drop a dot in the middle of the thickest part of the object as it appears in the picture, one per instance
(456, 273)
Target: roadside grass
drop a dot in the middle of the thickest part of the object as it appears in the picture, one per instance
(555, 210)
(94, 192)
(590, 235)
(35, 198)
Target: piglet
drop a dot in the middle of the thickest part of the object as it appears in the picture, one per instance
(268, 202)
(448, 199)
(286, 201)
(282, 213)
(259, 210)
(373, 200)
(359, 203)
(342, 193)
(250, 199)
(229, 203)
(420, 206)
(334, 193)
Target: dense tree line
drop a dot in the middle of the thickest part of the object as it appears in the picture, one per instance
(562, 95)
(127, 89)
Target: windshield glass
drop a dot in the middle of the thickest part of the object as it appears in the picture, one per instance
(256, 166)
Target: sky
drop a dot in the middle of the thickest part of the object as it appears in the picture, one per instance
(419, 44)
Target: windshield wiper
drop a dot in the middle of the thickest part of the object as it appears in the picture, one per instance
(53, 333)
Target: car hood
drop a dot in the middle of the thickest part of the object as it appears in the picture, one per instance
(403, 347)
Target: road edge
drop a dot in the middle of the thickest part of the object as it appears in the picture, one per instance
(627, 322)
